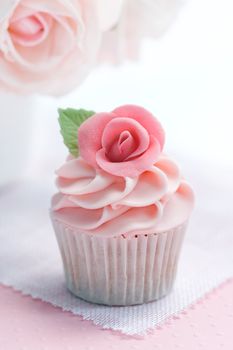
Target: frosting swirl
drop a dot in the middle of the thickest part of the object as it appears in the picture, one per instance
(97, 202)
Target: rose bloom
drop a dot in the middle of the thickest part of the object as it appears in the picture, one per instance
(48, 47)
(125, 142)
(139, 19)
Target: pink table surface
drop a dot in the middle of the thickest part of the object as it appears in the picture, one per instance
(27, 324)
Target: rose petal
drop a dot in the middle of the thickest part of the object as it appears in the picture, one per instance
(29, 31)
(109, 13)
(113, 131)
(122, 148)
(90, 135)
(48, 50)
(133, 167)
(145, 118)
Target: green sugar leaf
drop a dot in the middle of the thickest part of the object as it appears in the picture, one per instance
(70, 120)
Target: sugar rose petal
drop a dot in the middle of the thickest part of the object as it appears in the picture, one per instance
(90, 136)
(124, 138)
(132, 167)
(145, 118)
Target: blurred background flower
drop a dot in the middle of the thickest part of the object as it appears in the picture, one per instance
(48, 47)
(138, 19)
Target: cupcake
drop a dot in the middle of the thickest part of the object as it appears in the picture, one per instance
(122, 207)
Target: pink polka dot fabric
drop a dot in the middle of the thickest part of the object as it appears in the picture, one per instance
(27, 324)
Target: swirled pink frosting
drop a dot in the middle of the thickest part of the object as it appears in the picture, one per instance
(96, 202)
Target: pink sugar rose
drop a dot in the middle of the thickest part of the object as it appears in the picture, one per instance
(125, 142)
(48, 46)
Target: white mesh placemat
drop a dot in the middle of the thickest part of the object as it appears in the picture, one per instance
(30, 260)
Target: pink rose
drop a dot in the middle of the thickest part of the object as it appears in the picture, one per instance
(125, 142)
(139, 19)
(49, 46)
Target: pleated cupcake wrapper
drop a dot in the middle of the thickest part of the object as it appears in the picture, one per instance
(119, 271)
